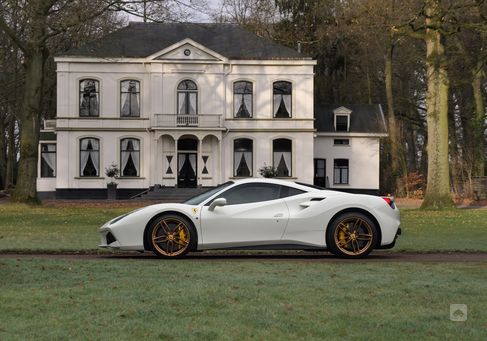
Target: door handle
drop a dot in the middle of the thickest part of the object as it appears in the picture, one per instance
(278, 215)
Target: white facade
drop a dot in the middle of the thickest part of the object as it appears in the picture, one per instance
(160, 127)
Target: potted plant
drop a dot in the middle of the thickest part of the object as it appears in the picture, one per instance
(268, 171)
(112, 172)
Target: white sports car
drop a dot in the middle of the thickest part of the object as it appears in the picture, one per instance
(260, 214)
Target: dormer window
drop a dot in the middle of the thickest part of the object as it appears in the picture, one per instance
(341, 123)
(342, 119)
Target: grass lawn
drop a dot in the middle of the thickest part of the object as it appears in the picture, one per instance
(43, 299)
(75, 228)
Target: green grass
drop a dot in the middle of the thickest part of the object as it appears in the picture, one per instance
(40, 228)
(455, 230)
(34, 228)
(44, 299)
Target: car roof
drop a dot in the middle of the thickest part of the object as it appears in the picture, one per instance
(283, 182)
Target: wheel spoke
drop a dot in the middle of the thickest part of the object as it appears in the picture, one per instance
(343, 227)
(363, 236)
(159, 239)
(165, 227)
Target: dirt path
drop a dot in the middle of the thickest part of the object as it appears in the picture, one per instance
(261, 256)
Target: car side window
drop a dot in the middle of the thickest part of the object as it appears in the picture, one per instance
(252, 192)
(290, 191)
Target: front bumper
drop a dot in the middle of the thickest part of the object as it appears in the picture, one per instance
(108, 239)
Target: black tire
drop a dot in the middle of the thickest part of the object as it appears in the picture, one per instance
(171, 236)
(351, 235)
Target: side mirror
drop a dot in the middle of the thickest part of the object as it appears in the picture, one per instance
(217, 202)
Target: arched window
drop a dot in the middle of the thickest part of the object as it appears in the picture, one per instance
(242, 157)
(282, 157)
(187, 98)
(89, 98)
(282, 97)
(130, 98)
(130, 157)
(89, 157)
(242, 99)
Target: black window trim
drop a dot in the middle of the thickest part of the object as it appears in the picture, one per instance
(127, 92)
(121, 151)
(55, 160)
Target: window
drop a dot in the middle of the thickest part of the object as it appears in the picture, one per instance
(130, 157)
(89, 157)
(282, 157)
(242, 157)
(242, 99)
(187, 98)
(130, 98)
(89, 98)
(250, 193)
(282, 93)
(341, 123)
(341, 142)
(340, 169)
(290, 191)
(48, 160)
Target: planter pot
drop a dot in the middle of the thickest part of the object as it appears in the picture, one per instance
(111, 192)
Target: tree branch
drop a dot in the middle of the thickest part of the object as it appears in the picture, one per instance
(13, 36)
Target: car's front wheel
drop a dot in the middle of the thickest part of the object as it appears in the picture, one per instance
(352, 235)
(171, 236)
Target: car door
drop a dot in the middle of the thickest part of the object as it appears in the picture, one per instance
(254, 214)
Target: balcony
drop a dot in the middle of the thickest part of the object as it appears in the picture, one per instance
(184, 121)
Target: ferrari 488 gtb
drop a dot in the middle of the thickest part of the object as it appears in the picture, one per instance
(259, 214)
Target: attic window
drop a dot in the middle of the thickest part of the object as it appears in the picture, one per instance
(341, 122)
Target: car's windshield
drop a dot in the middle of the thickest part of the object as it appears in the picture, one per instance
(198, 199)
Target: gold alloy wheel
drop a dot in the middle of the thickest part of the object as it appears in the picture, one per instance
(170, 237)
(353, 236)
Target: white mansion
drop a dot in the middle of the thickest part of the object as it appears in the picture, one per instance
(187, 105)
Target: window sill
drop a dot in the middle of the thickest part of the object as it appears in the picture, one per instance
(240, 177)
(286, 177)
(341, 145)
(168, 177)
(130, 178)
(89, 177)
(341, 184)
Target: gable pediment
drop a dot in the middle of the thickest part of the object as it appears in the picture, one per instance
(342, 111)
(188, 50)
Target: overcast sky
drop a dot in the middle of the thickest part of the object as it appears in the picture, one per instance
(197, 14)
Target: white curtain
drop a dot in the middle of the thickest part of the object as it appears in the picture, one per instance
(277, 102)
(192, 161)
(247, 100)
(86, 153)
(287, 103)
(337, 179)
(181, 159)
(286, 156)
(182, 102)
(50, 158)
(133, 152)
(247, 156)
(192, 103)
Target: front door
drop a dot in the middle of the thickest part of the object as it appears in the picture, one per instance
(254, 213)
(320, 173)
(187, 170)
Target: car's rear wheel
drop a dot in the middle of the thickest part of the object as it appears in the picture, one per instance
(171, 236)
(352, 235)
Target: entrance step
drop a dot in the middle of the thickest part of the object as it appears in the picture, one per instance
(170, 194)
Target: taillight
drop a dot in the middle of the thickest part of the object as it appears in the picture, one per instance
(390, 201)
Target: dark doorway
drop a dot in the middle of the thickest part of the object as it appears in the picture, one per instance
(320, 173)
(187, 167)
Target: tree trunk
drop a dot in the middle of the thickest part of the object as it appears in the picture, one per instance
(478, 124)
(25, 189)
(438, 194)
(11, 154)
(3, 153)
(398, 165)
